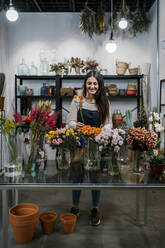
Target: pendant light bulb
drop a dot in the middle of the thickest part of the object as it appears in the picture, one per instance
(110, 45)
(123, 23)
(12, 14)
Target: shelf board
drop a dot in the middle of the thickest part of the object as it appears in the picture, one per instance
(31, 77)
(105, 76)
(53, 77)
(36, 97)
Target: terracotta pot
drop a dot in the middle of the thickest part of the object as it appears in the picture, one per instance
(68, 222)
(47, 220)
(23, 218)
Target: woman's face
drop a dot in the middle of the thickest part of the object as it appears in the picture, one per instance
(92, 85)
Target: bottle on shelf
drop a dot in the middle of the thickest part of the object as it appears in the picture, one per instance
(33, 69)
(22, 68)
(44, 66)
(43, 90)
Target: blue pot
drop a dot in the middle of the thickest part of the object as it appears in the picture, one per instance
(22, 89)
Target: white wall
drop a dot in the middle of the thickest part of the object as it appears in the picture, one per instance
(36, 31)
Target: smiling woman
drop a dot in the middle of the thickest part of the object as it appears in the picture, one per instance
(95, 108)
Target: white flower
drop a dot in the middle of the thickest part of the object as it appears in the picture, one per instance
(150, 119)
(156, 116)
(155, 151)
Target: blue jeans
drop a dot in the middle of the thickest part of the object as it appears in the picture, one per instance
(77, 177)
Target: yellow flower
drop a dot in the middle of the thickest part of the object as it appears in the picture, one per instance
(9, 124)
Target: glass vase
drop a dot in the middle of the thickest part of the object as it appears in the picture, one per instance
(30, 155)
(63, 158)
(77, 70)
(13, 155)
(138, 155)
(91, 156)
(113, 169)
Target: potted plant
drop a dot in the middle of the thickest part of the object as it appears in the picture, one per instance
(157, 164)
(76, 63)
(2, 84)
(90, 65)
(60, 68)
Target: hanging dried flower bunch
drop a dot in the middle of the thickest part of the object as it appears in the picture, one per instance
(100, 19)
(140, 21)
(88, 21)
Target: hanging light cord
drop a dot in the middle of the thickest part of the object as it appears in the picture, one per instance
(111, 15)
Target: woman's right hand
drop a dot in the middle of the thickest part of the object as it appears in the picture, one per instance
(79, 125)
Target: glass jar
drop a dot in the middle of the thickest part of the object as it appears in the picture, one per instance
(91, 156)
(63, 158)
(33, 69)
(44, 66)
(23, 69)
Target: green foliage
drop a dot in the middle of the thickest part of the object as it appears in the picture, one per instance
(88, 21)
(156, 159)
(139, 22)
(142, 120)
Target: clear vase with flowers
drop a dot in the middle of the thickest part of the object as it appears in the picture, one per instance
(141, 140)
(91, 154)
(67, 141)
(110, 142)
(11, 131)
(39, 120)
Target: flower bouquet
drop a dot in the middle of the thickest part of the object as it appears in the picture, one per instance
(90, 65)
(141, 140)
(39, 121)
(110, 142)
(76, 63)
(154, 124)
(68, 142)
(91, 154)
(60, 68)
(11, 132)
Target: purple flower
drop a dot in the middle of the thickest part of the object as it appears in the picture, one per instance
(116, 149)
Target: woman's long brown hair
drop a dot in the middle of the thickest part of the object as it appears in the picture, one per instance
(101, 98)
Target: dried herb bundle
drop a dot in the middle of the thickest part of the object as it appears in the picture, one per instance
(139, 19)
(88, 21)
(100, 19)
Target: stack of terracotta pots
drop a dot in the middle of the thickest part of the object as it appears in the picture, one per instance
(23, 218)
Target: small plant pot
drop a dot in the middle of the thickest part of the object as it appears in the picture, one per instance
(68, 222)
(23, 218)
(47, 220)
(157, 169)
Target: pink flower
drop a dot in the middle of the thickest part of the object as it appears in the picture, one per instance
(17, 117)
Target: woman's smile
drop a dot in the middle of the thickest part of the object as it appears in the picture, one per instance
(92, 86)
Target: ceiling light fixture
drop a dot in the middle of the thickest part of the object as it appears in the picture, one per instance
(110, 45)
(12, 14)
(123, 23)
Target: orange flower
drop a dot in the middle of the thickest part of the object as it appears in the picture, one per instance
(26, 119)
